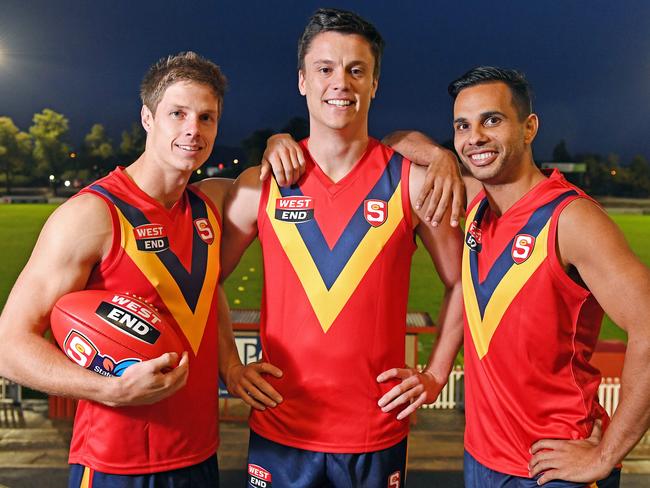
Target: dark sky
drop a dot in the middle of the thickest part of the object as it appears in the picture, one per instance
(588, 61)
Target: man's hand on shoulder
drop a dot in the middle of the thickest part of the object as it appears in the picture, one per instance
(442, 184)
(284, 158)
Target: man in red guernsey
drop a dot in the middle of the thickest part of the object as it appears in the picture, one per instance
(541, 262)
(157, 424)
(337, 251)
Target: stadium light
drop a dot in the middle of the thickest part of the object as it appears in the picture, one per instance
(66, 183)
(51, 177)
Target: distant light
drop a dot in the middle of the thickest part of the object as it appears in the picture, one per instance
(51, 177)
(66, 183)
(235, 161)
(73, 155)
(198, 171)
(613, 172)
(220, 166)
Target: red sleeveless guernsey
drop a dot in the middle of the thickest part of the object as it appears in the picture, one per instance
(179, 277)
(336, 266)
(529, 332)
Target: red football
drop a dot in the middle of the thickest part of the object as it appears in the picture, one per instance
(106, 332)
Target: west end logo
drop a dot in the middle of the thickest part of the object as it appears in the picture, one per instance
(204, 229)
(522, 247)
(151, 238)
(130, 317)
(295, 209)
(258, 476)
(375, 212)
(473, 238)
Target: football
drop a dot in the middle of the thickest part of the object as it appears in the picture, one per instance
(106, 332)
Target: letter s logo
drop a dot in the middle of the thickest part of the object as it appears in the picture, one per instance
(79, 350)
(394, 480)
(204, 229)
(522, 247)
(375, 212)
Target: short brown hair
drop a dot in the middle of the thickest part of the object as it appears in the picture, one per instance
(184, 66)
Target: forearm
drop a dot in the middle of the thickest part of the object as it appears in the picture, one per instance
(32, 361)
(228, 355)
(450, 334)
(415, 146)
(632, 417)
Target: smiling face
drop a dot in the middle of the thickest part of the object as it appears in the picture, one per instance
(182, 131)
(337, 81)
(489, 135)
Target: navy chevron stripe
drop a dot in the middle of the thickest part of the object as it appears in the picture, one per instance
(188, 283)
(504, 262)
(330, 263)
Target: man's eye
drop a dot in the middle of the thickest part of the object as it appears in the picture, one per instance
(462, 126)
(324, 70)
(357, 71)
(492, 121)
(176, 114)
(206, 117)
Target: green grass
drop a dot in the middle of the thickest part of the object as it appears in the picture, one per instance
(20, 224)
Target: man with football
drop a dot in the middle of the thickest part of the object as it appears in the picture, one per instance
(156, 424)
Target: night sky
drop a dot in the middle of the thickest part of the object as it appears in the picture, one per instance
(588, 61)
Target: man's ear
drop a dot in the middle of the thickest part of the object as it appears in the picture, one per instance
(146, 118)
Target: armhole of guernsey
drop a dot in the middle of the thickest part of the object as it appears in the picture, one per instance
(406, 194)
(553, 260)
(208, 201)
(116, 251)
(261, 209)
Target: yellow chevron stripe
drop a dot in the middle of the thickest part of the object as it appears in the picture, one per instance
(85, 479)
(191, 323)
(511, 284)
(327, 304)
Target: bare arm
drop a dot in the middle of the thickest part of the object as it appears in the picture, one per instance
(240, 228)
(445, 247)
(71, 243)
(442, 182)
(593, 244)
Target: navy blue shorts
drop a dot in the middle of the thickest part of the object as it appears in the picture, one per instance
(478, 476)
(274, 465)
(204, 475)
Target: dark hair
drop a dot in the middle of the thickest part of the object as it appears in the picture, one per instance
(521, 90)
(345, 22)
(184, 66)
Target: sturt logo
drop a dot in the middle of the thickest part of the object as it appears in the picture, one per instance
(522, 247)
(375, 212)
(82, 351)
(204, 229)
(151, 238)
(130, 317)
(294, 209)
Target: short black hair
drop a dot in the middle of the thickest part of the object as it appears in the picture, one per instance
(345, 22)
(522, 93)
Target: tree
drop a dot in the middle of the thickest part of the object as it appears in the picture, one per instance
(132, 145)
(50, 151)
(254, 146)
(98, 150)
(15, 147)
(298, 127)
(561, 153)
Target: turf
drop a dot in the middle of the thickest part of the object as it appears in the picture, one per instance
(20, 224)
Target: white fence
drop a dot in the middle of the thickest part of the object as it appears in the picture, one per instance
(453, 393)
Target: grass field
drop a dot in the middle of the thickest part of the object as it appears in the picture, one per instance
(20, 224)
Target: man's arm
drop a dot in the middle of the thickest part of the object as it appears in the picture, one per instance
(445, 247)
(240, 228)
(72, 242)
(591, 242)
(442, 182)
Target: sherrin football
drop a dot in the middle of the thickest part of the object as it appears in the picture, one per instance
(106, 332)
